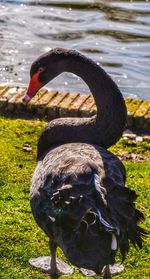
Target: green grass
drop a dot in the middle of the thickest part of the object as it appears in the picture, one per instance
(21, 238)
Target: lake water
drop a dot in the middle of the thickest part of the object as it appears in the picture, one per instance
(116, 34)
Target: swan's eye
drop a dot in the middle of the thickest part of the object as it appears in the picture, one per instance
(41, 69)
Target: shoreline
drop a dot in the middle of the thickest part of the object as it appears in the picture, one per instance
(49, 104)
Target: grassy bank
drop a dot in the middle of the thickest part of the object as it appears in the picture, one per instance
(21, 238)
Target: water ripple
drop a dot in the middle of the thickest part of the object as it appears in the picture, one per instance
(116, 34)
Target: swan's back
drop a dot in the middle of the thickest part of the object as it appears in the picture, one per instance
(79, 198)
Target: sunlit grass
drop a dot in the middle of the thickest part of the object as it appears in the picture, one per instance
(21, 238)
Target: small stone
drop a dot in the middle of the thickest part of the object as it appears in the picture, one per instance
(146, 138)
(134, 156)
(139, 139)
(128, 134)
(27, 147)
(88, 272)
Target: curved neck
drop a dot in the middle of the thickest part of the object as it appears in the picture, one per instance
(102, 87)
(106, 128)
(111, 108)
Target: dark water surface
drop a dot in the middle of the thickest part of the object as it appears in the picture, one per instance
(116, 34)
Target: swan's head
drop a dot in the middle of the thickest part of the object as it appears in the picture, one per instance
(43, 70)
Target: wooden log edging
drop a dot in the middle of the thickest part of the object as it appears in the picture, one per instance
(51, 104)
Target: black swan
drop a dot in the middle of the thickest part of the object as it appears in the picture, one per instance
(78, 194)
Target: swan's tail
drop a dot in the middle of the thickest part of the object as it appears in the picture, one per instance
(121, 205)
(100, 212)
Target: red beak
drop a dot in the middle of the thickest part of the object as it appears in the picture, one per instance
(33, 88)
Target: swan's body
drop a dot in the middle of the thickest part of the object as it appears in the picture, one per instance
(78, 193)
(63, 213)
